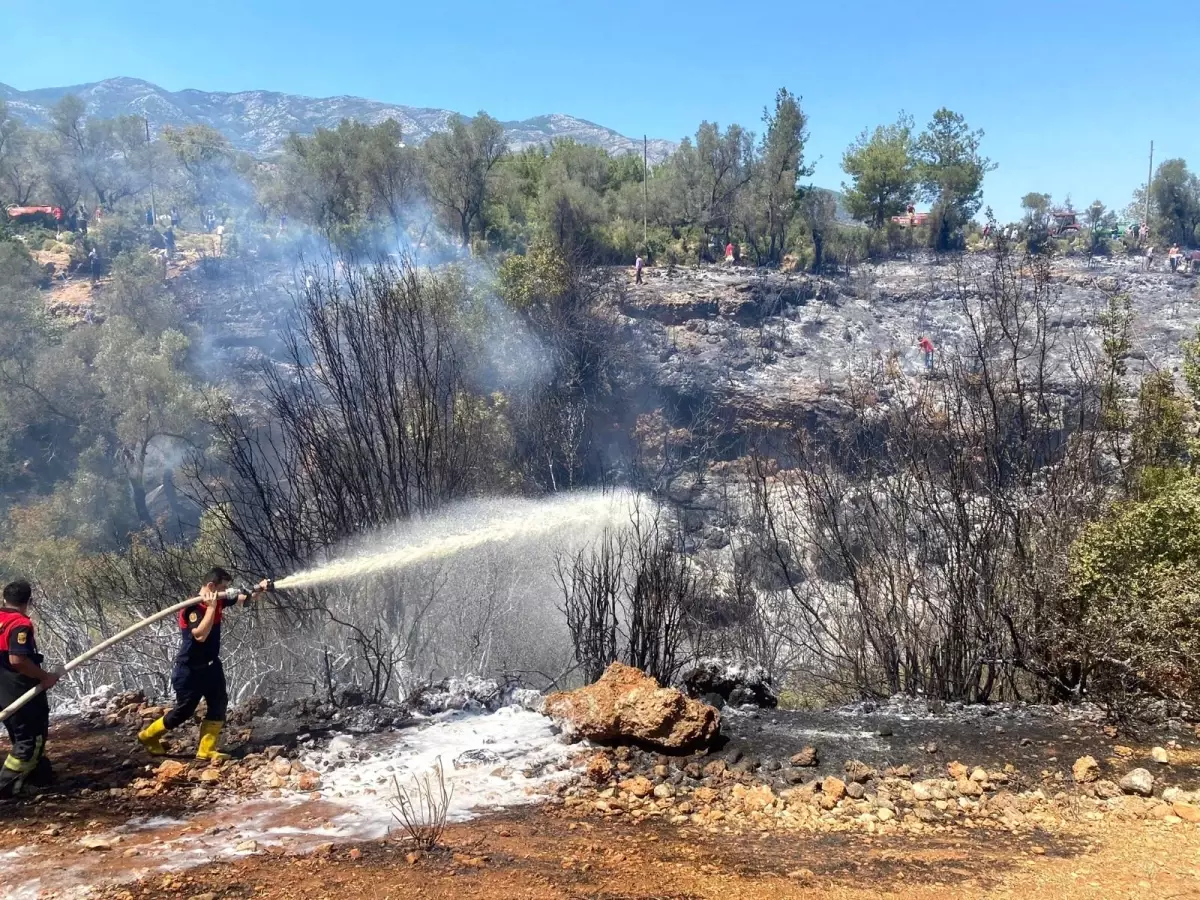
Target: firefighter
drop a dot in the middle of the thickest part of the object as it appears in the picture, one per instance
(198, 674)
(20, 670)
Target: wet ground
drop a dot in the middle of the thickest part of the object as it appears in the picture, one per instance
(1036, 741)
(543, 852)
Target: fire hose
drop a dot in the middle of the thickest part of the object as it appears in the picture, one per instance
(230, 595)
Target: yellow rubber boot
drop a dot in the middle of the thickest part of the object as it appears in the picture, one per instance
(150, 737)
(210, 733)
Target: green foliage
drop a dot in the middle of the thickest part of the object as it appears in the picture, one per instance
(1175, 194)
(459, 164)
(541, 272)
(950, 169)
(1135, 578)
(882, 171)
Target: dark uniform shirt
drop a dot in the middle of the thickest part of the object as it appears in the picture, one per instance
(16, 639)
(191, 651)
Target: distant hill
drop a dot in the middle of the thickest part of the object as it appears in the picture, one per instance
(259, 121)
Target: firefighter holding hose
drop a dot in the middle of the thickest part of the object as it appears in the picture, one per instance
(198, 674)
(20, 670)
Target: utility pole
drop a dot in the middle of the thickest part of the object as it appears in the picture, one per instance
(1149, 179)
(645, 193)
(150, 156)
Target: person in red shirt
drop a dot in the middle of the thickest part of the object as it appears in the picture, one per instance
(20, 670)
(926, 346)
(729, 252)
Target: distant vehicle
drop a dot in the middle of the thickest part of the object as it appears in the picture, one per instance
(49, 216)
(911, 219)
(1064, 223)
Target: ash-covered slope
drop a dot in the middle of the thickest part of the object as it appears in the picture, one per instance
(260, 121)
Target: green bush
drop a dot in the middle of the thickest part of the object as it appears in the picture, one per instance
(1135, 579)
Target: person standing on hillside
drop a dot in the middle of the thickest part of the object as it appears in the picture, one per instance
(926, 346)
(20, 670)
(198, 674)
(637, 269)
(729, 253)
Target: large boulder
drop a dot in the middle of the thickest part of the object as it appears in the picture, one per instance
(628, 706)
(736, 683)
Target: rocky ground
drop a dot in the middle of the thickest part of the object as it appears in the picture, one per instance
(776, 347)
(889, 801)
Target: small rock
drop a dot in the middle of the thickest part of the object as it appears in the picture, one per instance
(95, 842)
(956, 770)
(922, 791)
(640, 786)
(859, 771)
(931, 747)
(1086, 770)
(1106, 790)
(806, 758)
(883, 814)
(834, 788)
(1139, 781)
(355, 853)
(1159, 755)
(207, 895)
(247, 847)
(664, 791)
(855, 790)
(979, 775)
(170, 770)
(1186, 812)
(281, 767)
(210, 775)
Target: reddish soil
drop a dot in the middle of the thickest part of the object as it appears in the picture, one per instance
(546, 852)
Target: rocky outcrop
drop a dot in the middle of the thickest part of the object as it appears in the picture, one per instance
(626, 706)
(736, 683)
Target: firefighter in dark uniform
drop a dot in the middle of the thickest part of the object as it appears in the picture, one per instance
(198, 674)
(20, 670)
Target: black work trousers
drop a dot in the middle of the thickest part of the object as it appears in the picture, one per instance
(195, 682)
(27, 729)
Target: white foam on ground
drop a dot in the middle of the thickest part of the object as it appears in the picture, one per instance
(515, 758)
(519, 757)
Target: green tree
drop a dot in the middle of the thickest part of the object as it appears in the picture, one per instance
(951, 169)
(459, 163)
(780, 166)
(1037, 211)
(882, 172)
(1175, 194)
(704, 179)
(204, 159)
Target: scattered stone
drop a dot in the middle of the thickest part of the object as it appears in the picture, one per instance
(170, 770)
(979, 775)
(1106, 790)
(834, 788)
(859, 771)
(956, 770)
(626, 704)
(806, 758)
(664, 791)
(1139, 781)
(1186, 812)
(1160, 756)
(737, 683)
(639, 786)
(95, 842)
(931, 747)
(901, 771)
(1086, 770)
(281, 767)
(247, 847)
(600, 768)
(208, 776)
(922, 791)
(855, 790)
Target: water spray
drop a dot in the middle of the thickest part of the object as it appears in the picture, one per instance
(524, 519)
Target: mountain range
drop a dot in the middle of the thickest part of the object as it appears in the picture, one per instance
(259, 121)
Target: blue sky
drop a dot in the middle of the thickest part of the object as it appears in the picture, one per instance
(1070, 93)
